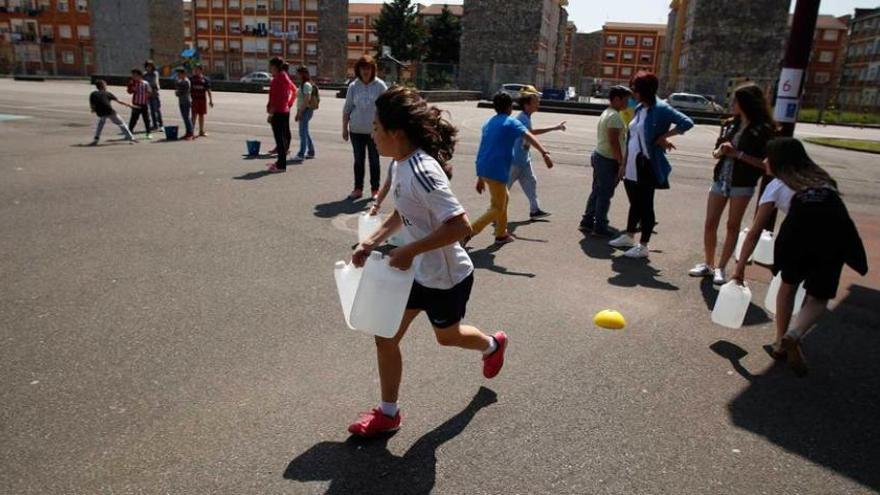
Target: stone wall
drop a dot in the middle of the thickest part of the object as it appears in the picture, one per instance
(127, 32)
(560, 78)
(332, 39)
(586, 60)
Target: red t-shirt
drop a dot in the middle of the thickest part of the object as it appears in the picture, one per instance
(199, 87)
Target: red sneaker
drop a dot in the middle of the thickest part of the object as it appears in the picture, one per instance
(356, 194)
(505, 239)
(374, 423)
(375, 194)
(493, 363)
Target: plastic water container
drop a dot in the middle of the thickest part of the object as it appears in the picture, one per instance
(739, 244)
(253, 147)
(381, 297)
(773, 291)
(367, 224)
(732, 304)
(348, 278)
(764, 250)
(170, 132)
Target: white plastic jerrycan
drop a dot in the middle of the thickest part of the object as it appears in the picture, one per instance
(732, 304)
(773, 291)
(764, 250)
(740, 240)
(381, 297)
(348, 278)
(367, 224)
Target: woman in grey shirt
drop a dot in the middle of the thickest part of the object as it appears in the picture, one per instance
(357, 122)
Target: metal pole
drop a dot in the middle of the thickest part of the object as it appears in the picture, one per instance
(797, 57)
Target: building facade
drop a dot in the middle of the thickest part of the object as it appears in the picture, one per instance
(860, 80)
(564, 52)
(826, 61)
(710, 53)
(128, 33)
(510, 41)
(628, 48)
(235, 37)
(52, 37)
(586, 63)
(361, 37)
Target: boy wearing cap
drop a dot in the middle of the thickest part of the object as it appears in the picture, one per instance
(184, 101)
(607, 162)
(521, 167)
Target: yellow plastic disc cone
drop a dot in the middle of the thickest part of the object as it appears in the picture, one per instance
(610, 319)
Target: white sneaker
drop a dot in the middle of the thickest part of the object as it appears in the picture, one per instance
(719, 278)
(624, 241)
(637, 251)
(701, 270)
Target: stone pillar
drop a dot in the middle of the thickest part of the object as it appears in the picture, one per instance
(127, 32)
(332, 39)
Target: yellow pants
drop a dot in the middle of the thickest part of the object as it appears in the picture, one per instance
(497, 211)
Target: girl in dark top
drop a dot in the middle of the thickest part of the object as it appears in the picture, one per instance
(816, 239)
(740, 150)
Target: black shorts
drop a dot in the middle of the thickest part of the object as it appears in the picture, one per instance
(444, 307)
(820, 279)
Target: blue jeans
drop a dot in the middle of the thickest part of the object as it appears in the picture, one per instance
(155, 111)
(604, 183)
(186, 113)
(529, 183)
(305, 139)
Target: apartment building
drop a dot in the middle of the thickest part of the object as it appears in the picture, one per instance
(628, 48)
(361, 37)
(826, 60)
(46, 37)
(235, 37)
(860, 80)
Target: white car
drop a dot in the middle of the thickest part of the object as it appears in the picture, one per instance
(687, 101)
(513, 89)
(257, 77)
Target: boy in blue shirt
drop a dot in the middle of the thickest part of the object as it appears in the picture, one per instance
(494, 159)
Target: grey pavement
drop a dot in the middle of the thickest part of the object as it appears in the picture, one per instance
(169, 324)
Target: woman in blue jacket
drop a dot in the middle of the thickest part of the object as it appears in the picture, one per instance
(647, 168)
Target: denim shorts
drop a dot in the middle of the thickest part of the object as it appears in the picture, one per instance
(724, 189)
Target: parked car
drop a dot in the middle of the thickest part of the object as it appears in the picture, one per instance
(257, 77)
(513, 89)
(553, 94)
(687, 101)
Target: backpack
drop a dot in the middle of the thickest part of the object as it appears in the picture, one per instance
(314, 98)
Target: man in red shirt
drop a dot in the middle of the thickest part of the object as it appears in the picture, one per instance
(200, 91)
(282, 93)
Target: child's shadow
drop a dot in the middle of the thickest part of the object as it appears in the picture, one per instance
(365, 466)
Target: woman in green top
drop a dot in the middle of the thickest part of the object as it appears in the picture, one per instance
(304, 111)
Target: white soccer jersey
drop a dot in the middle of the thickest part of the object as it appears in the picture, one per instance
(424, 202)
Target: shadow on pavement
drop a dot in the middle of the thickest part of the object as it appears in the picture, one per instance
(755, 315)
(596, 247)
(637, 273)
(261, 156)
(253, 175)
(831, 416)
(343, 207)
(365, 466)
(485, 259)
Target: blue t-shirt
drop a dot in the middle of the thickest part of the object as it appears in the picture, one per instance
(496, 147)
(521, 152)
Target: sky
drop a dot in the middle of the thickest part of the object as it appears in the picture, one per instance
(589, 15)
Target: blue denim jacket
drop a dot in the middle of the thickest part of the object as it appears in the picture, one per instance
(659, 120)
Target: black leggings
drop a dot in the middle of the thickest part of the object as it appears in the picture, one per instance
(641, 208)
(281, 131)
(363, 146)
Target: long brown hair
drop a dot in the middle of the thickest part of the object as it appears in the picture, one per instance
(366, 61)
(753, 103)
(790, 163)
(401, 108)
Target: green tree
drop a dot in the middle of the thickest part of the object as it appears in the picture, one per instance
(398, 27)
(444, 38)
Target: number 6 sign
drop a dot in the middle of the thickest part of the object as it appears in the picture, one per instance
(790, 83)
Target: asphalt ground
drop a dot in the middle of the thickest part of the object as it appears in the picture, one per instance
(169, 324)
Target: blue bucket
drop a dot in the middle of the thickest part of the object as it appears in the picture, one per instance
(253, 148)
(170, 132)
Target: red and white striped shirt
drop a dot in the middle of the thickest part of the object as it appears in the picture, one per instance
(140, 92)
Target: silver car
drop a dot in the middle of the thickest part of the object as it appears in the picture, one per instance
(514, 90)
(687, 101)
(257, 77)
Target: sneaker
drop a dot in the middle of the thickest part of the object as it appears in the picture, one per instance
(148, 136)
(188, 137)
(493, 363)
(297, 159)
(586, 227)
(273, 169)
(719, 278)
(538, 214)
(356, 194)
(374, 194)
(791, 344)
(273, 151)
(624, 241)
(94, 143)
(637, 251)
(603, 232)
(310, 157)
(203, 134)
(505, 239)
(373, 423)
(701, 270)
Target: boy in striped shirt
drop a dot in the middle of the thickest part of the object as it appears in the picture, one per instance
(140, 92)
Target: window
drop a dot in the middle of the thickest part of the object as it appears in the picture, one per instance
(611, 40)
(645, 58)
(626, 71)
(311, 49)
(67, 57)
(826, 56)
(87, 57)
(373, 38)
(234, 45)
(610, 55)
(202, 24)
(629, 41)
(629, 56)
(262, 45)
(82, 32)
(277, 48)
(277, 5)
(218, 25)
(203, 45)
(608, 70)
(46, 30)
(64, 32)
(234, 4)
(354, 38)
(63, 6)
(201, 4)
(219, 46)
(250, 45)
(356, 20)
(830, 35)
(293, 49)
(311, 27)
(293, 5)
(648, 42)
(822, 78)
(276, 27)
(312, 5)
(82, 5)
(219, 66)
(187, 32)
(217, 4)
